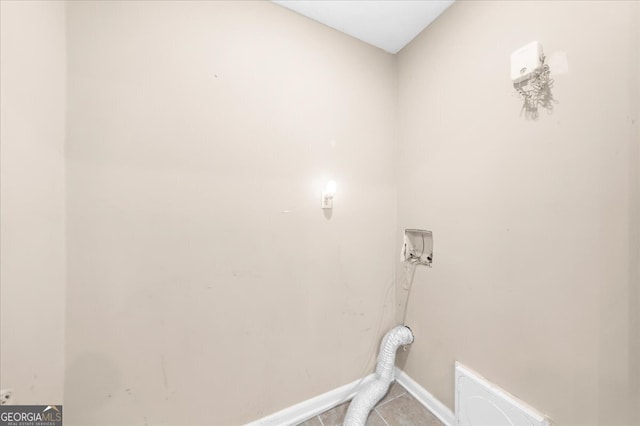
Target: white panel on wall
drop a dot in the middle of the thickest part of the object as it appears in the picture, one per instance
(481, 403)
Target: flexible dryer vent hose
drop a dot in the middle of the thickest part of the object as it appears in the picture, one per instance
(368, 397)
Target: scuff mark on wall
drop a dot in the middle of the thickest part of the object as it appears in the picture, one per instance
(164, 373)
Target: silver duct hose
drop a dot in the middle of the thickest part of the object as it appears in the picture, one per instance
(368, 397)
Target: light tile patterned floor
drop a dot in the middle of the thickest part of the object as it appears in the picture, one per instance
(397, 408)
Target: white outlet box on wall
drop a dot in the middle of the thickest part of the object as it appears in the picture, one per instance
(525, 61)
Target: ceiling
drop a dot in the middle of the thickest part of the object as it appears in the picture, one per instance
(387, 24)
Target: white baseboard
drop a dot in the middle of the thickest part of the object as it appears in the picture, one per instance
(305, 410)
(480, 402)
(441, 411)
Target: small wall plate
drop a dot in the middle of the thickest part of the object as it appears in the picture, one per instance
(525, 61)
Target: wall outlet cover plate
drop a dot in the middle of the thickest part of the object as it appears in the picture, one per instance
(525, 61)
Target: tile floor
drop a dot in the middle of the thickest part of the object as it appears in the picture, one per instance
(397, 408)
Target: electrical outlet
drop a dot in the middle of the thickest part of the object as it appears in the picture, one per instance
(6, 397)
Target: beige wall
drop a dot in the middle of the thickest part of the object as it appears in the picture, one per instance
(32, 200)
(206, 285)
(634, 230)
(535, 281)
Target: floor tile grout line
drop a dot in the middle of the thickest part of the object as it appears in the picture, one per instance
(391, 400)
(381, 416)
